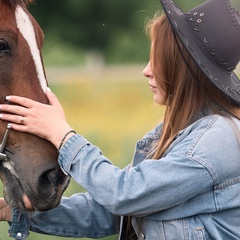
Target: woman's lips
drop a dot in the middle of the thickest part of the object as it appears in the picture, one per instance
(153, 88)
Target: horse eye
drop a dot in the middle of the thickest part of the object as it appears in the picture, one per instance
(4, 46)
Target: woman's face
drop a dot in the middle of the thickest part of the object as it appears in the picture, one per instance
(147, 72)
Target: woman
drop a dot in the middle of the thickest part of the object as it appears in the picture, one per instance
(184, 181)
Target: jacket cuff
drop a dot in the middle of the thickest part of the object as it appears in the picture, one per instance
(69, 151)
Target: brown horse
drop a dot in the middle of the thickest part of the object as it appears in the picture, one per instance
(29, 170)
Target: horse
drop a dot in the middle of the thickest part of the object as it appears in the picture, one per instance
(31, 177)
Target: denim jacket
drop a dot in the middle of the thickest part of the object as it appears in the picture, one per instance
(191, 193)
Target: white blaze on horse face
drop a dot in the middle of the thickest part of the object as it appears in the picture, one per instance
(25, 27)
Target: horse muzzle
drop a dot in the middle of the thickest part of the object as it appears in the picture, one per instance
(47, 195)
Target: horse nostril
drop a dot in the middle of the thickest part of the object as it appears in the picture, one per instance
(47, 180)
(52, 178)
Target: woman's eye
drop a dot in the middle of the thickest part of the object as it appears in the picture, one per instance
(4, 46)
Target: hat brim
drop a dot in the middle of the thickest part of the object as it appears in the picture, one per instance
(227, 82)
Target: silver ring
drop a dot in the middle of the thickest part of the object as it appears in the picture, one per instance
(22, 120)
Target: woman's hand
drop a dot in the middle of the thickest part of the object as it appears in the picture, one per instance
(5, 211)
(45, 121)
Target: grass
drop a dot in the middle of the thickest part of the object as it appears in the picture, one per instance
(112, 108)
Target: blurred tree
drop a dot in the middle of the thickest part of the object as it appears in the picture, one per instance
(113, 28)
(94, 25)
(86, 24)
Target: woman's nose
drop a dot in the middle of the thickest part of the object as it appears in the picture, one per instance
(147, 71)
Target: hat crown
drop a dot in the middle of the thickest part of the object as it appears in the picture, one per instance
(216, 26)
(210, 33)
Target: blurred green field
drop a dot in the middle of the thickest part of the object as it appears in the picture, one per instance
(112, 107)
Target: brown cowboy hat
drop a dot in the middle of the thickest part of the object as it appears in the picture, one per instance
(211, 35)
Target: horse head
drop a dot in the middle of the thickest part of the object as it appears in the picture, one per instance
(30, 173)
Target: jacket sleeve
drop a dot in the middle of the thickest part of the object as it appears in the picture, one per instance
(78, 216)
(149, 187)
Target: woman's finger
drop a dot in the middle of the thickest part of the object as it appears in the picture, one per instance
(13, 118)
(5, 211)
(25, 102)
(53, 100)
(19, 128)
(14, 109)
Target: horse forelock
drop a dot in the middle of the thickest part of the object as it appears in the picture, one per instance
(14, 3)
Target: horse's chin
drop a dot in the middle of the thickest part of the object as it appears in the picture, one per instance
(53, 199)
(27, 203)
(21, 201)
(12, 195)
(24, 199)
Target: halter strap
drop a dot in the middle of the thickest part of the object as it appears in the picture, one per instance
(3, 156)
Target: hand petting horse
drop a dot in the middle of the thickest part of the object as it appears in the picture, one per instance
(29, 170)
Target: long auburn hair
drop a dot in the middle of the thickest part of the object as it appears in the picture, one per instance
(186, 89)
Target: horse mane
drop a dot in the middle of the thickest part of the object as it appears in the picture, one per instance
(13, 3)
